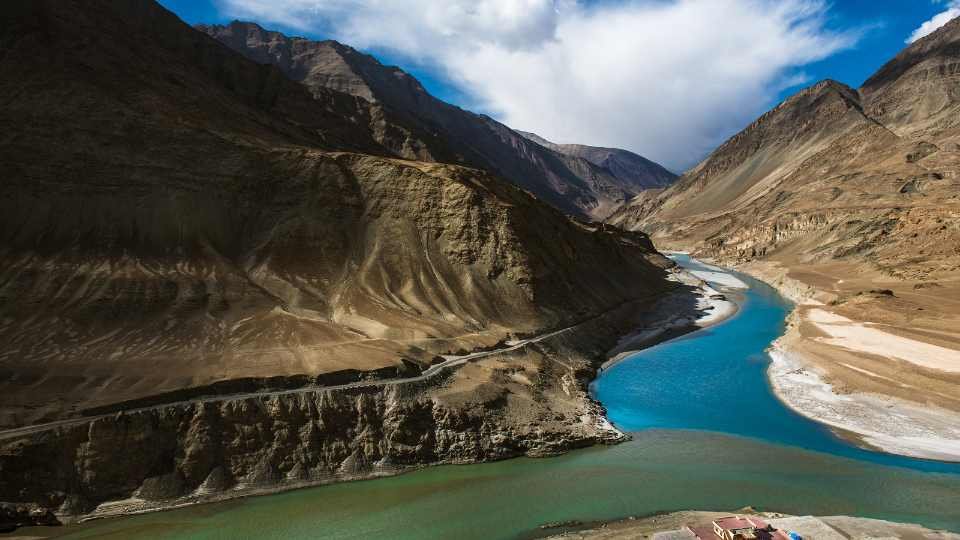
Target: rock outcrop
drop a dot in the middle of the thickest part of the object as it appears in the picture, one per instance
(13, 516)
(580, 185)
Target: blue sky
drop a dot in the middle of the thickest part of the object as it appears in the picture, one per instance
(888, 24)
(703, 71)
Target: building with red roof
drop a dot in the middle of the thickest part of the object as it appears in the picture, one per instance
(738, 528)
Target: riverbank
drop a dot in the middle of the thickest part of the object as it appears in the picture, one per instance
(673, 526)
(852, 360)
(674, 316)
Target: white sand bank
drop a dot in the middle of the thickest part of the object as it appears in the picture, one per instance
(887, 423)
(722, 279)
(715, 309)
(856, 336)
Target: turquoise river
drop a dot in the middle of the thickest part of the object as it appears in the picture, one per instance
(708, 433)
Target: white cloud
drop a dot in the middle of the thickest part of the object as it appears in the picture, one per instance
(413, 27)
(669, 79)
(938, 20)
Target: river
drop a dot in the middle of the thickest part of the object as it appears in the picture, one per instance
(708, 433)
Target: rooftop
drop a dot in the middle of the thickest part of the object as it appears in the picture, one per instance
(737, 522)
(734, 523)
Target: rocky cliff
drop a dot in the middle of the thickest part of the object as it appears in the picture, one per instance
(571, 182)
(532, 401)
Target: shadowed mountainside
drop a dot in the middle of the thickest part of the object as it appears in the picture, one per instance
(174, 214)
(576, 184)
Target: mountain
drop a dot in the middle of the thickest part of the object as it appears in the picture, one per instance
(866, 176)
(171, 203)
(915, 94)
(849, 201)
(215, 281)
(634, 171)
(764, 157)
(571, 183)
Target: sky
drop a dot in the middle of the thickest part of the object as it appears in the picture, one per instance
(668, 79)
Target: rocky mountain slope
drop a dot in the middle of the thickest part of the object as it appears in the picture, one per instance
(179, 222)
(170, 203)
(849, 199)
(571, 182)
(833, 173)
(631, 169)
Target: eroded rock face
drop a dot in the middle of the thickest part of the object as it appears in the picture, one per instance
(13, 516)
(352, 262)
(531, 402)
(171, 452)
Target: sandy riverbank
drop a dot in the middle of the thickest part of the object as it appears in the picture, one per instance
(883, 385)
(673, 316)
(673, 527)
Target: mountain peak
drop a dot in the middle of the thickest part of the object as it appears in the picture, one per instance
(940, 42)
(805, 111)
(634, 170)
(777, 142)
(832, 85)
(914, 93)
(822, 89)
(327, 63)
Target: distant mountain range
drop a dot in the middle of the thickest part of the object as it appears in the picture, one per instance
(578, 180)
(635, 171)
